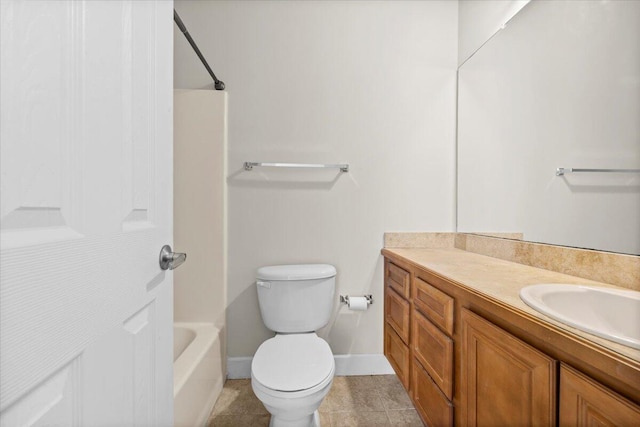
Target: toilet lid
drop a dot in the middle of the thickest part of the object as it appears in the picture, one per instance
(292, 362)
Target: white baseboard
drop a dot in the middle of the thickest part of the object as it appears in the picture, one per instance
(346, 364)
(362, 364)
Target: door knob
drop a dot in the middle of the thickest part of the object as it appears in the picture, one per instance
(170, 260)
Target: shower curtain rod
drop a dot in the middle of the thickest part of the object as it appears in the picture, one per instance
(219, 84)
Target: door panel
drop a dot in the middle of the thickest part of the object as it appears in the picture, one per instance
(39, 156)
(86, 150)
(54, 402)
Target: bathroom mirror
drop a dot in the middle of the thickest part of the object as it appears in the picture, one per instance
(559, 87)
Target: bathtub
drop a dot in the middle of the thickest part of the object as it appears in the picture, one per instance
(198, 372)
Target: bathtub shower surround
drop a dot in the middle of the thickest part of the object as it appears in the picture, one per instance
(200, 230)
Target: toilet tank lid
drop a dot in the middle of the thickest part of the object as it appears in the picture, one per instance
(296, 272)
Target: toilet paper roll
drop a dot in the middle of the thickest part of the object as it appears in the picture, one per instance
(358, 303)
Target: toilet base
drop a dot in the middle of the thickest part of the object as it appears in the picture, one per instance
(312, 420)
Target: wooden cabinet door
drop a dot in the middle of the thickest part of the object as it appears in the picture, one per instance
(504, 382)
(584, 402)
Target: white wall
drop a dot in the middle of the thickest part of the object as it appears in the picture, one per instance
(479, 20)
(368, 83)
(559, 87)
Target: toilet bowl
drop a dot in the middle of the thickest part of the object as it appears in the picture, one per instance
(292, 372)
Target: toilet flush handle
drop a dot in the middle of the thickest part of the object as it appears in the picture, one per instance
(264, 284)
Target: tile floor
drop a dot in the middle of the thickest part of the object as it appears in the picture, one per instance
(378, 400)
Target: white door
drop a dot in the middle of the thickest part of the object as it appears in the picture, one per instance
(86, 125)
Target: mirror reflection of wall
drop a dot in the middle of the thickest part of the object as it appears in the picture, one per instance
(558, 87)
(479, 20)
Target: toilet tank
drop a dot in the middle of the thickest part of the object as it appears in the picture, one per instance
(296, 298)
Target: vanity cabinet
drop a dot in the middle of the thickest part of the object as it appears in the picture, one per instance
(470, 360)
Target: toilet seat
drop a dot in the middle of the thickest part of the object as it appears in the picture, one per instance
(292, 364)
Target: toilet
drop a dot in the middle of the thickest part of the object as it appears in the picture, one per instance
(293, 371)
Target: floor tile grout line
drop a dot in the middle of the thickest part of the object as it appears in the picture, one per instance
(384, 406)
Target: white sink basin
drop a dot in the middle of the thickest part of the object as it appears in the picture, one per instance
(608, 313)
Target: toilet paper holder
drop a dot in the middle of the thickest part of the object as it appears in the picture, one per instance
(344, 299)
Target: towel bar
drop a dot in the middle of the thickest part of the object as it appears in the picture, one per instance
(343, 167)
(562, 171)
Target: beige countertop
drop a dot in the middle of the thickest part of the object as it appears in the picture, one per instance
(502, 280)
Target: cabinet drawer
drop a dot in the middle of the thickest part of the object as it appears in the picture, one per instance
(396, 313)
(397, 354)
(584, 402)
(434, 304)
(433, 406)
(398, 279)
(434, 350)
